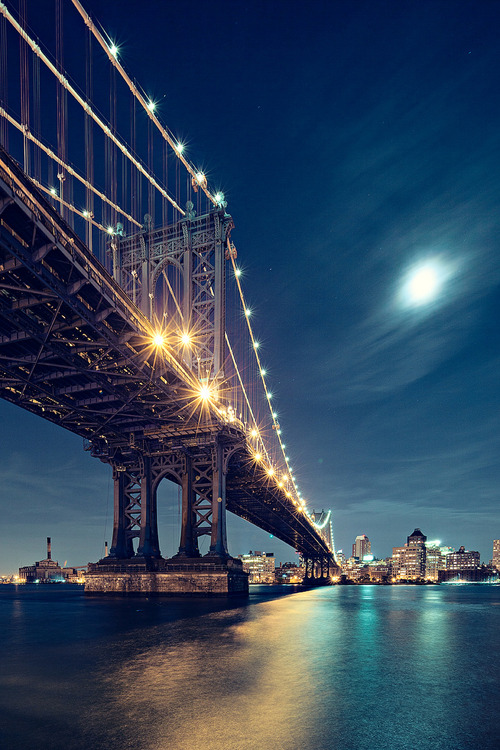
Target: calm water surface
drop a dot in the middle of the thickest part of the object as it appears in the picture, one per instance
(342, 668)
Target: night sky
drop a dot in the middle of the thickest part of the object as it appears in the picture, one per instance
(356, 143)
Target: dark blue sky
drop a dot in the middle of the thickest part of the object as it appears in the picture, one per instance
(354, 141)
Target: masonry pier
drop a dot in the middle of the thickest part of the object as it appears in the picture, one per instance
(199, 467)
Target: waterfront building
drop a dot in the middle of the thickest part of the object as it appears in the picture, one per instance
(463, 560)
(496, 554)
(435, 558)
(361, 547)
(44, 571)
(408, 561)
(260, 566)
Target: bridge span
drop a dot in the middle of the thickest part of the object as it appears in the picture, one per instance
(76, 350)
(117, 323)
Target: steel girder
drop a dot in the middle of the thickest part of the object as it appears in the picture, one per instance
(74, 349)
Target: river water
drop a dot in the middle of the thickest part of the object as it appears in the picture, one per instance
(340, 668)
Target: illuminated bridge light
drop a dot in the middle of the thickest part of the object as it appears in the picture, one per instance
(151, 106)
(263, 372)
(205, 392)
(179, 147)
(248, 312)
(186, 339)
(113, 50)
(238, 272)
(256, 344)
(158, 339)
(270, 471)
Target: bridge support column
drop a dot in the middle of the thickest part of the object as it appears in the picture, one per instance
(148, 539)
(317, 571)
(189, 541)
(218, 537)
(125, 498)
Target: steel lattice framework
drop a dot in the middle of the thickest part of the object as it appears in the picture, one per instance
(76, 350)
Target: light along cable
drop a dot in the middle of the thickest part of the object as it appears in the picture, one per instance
(259, 364)
(86, 107)
(26, 131)
(259, 436)
(148, 106)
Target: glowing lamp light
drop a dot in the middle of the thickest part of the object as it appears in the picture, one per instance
(186, 339)
(219, 197)
(151, 106)
(263, 372)
(248, 312)
(158, 339)
(205, 392)
(280, 484)
(85, 213)
(110, 230)
(258, 456)
(254, 433)
(53, 191)
(270, 471)
(238, 272)
(256, 344)
(113, 50)
(200, 178)
(179, 147)
(269, 396)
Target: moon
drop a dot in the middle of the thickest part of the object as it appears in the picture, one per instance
(423, 284)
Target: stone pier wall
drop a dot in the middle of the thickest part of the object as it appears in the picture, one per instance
(222, 582)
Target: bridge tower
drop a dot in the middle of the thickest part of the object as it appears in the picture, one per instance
(320, 568)
(176, 276)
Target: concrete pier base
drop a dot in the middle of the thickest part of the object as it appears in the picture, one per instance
(174, 577)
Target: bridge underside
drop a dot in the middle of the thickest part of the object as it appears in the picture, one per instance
(75, 350)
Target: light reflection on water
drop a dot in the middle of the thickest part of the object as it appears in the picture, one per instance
(342, 668)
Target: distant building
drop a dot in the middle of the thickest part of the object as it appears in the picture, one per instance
(496, 554)
(408, 561)
(435, 559)
(340, 557)
(44, 571)
(260, 566)
(361, 547)
(463, 560)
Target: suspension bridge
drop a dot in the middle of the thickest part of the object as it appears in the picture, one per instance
(123, 316)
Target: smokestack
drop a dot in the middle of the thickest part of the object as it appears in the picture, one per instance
(105, 549)
(48, 549)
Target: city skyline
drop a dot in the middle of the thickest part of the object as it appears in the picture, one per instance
(357, 147)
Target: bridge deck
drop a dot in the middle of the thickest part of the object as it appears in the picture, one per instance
(75, 350)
